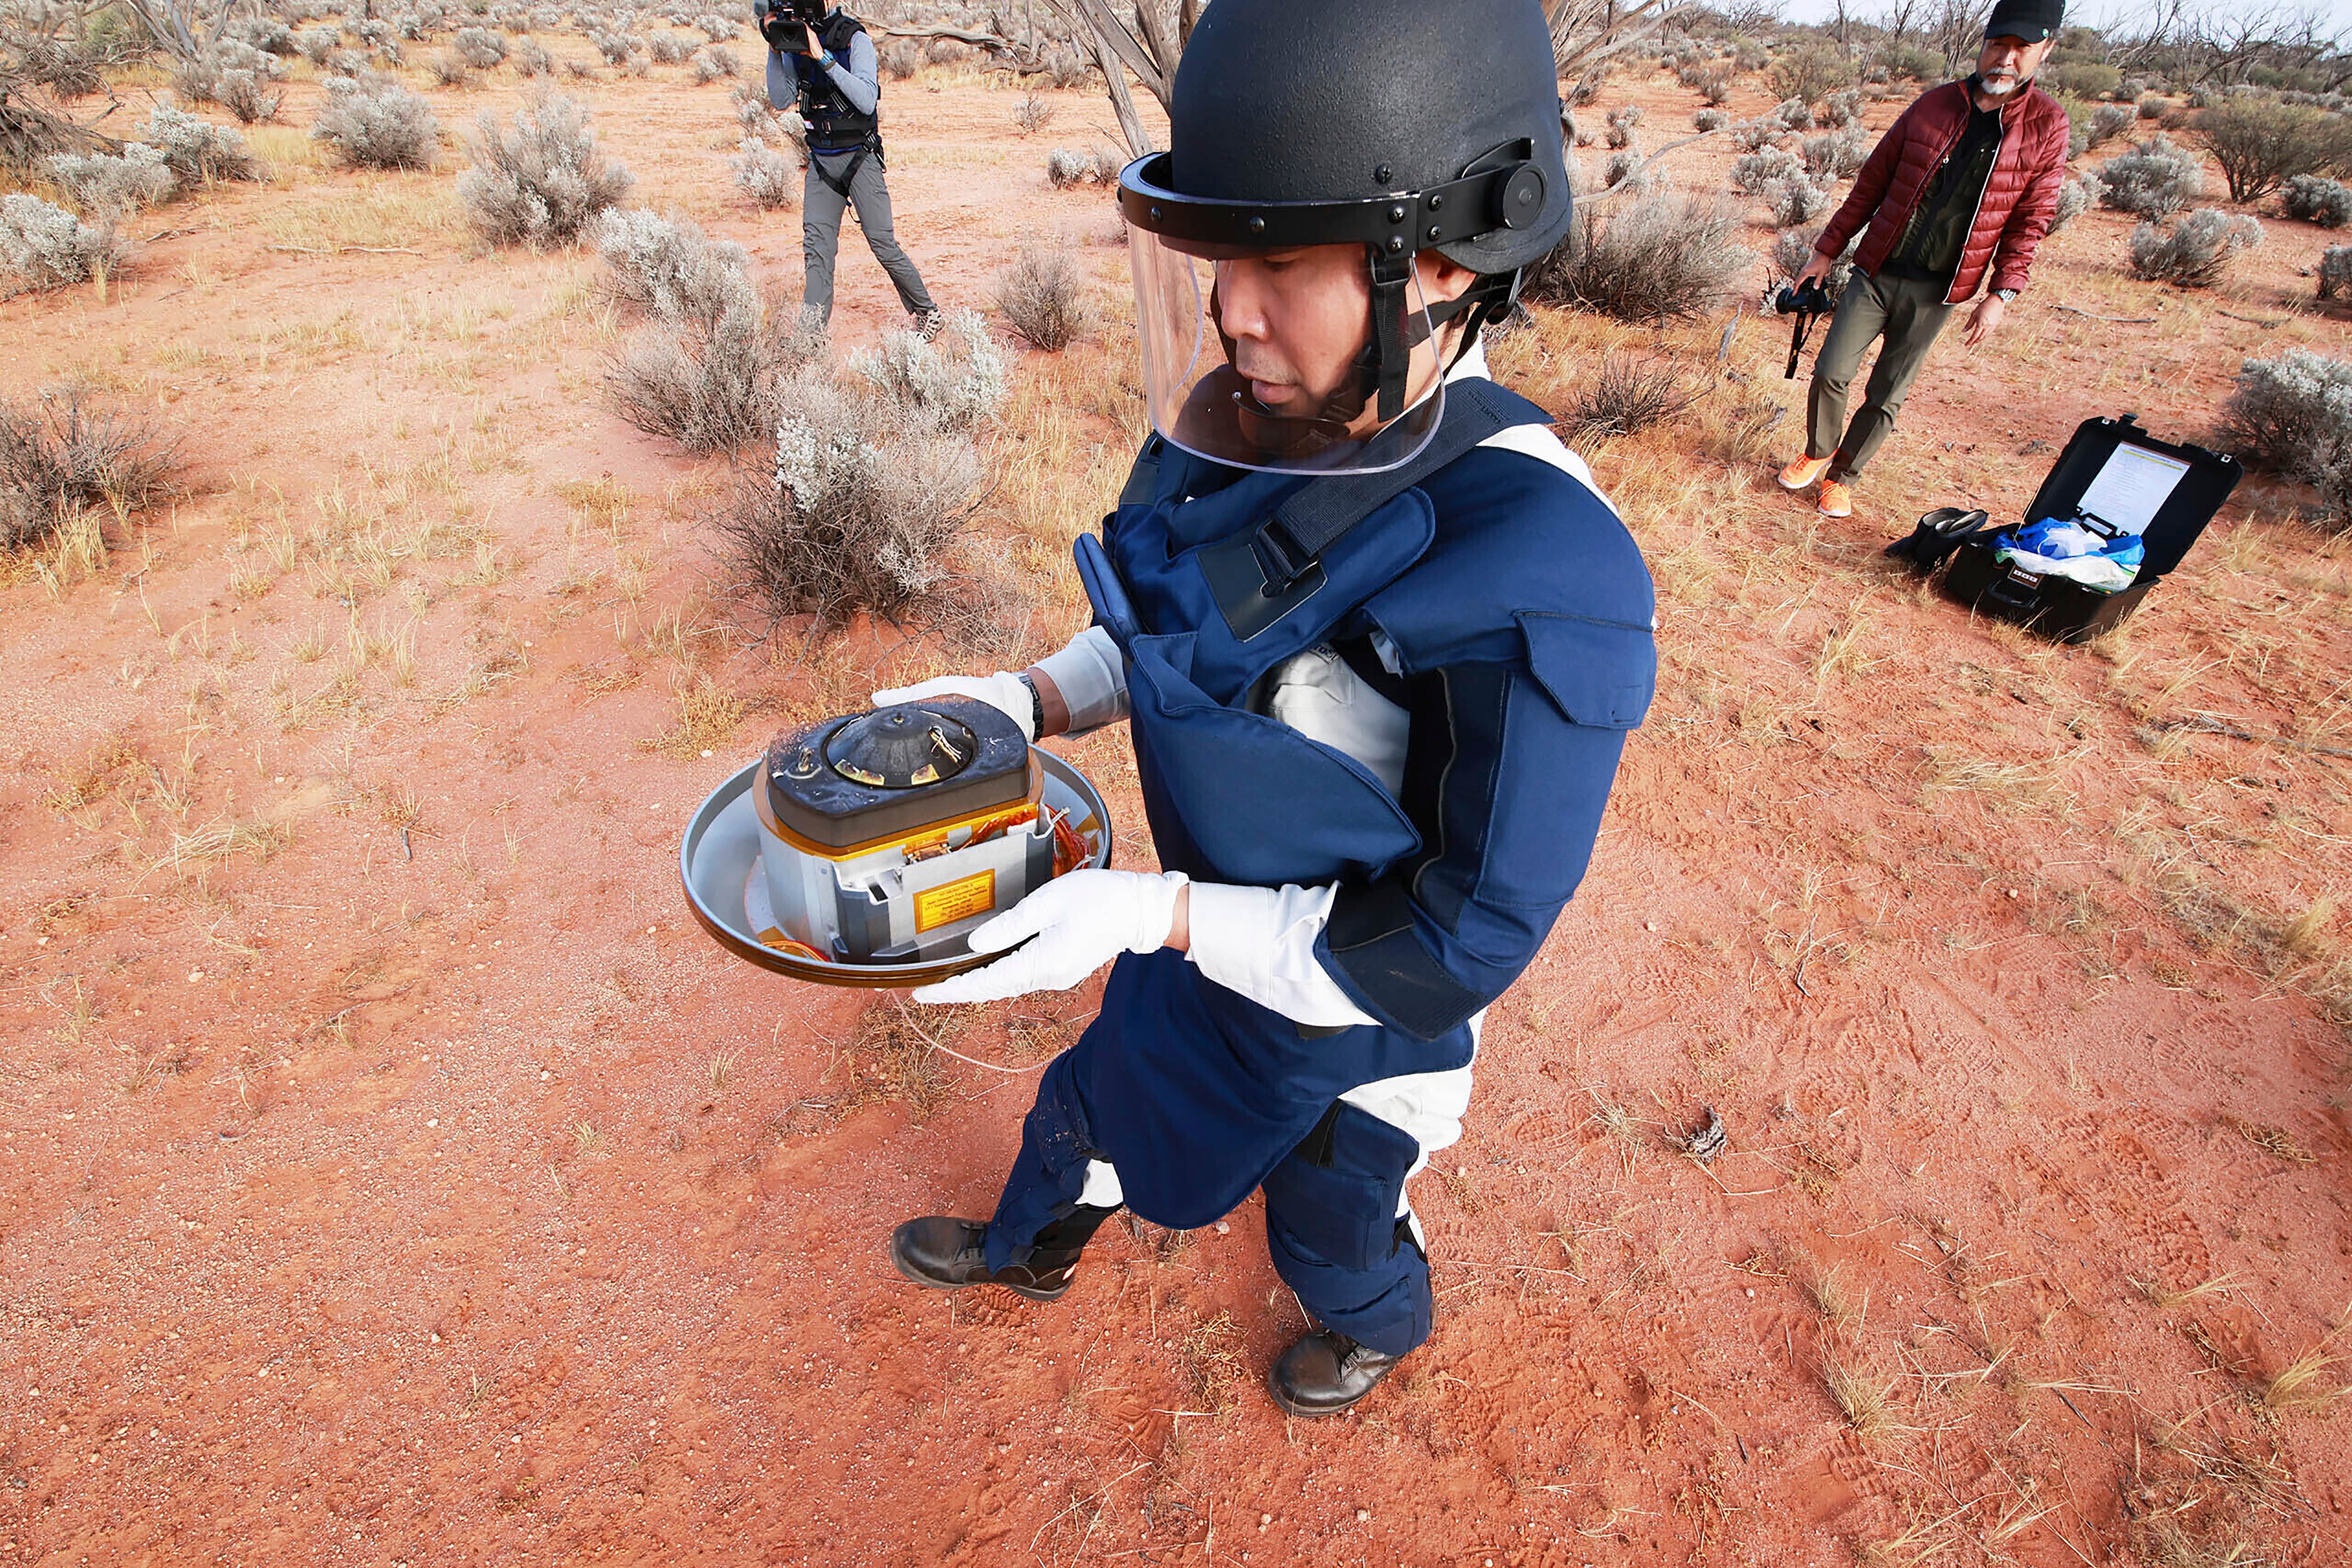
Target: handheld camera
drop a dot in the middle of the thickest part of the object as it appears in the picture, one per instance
(789, 26)
(1807, 302)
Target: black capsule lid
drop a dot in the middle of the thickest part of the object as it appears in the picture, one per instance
(871, 776)
(901, 748)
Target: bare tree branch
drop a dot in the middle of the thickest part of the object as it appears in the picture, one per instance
(1631, 177)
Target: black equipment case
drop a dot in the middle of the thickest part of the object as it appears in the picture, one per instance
(2120, 467)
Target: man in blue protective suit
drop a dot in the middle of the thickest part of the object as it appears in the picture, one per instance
(1378, 641)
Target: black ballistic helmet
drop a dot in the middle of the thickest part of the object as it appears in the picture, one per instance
(1402, 125)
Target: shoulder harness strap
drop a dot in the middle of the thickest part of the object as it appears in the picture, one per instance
(1320, 514)
(1260, 575)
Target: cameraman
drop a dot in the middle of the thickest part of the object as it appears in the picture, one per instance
(1960, 188)
(834, 80)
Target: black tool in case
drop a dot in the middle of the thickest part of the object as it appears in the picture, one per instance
(2129, 477)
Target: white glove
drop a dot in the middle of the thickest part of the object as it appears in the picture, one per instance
(1002, 691)
(1081, 921)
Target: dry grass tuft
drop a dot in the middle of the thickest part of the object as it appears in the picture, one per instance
(2298, 1387)
(2004, 785)
(92, 778)
(219, 841)
(1829, 1297)
(1630, 395)
(1043, 297)
(2169, 1543)
(1214, 1370)
(893, 1057)
(2305, 936)
(1863, 1397)
(2162, 1295)
(708, 715)
(2275, 1141)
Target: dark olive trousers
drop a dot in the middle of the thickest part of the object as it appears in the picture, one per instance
(1907, 312)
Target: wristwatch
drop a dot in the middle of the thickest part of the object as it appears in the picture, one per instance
(2004, 295)
(1036, 705)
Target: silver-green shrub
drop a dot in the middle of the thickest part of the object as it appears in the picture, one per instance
(42, 246)
(1794, 199)
(198, 150)
(860, 509)
(2073, 200)
(2194, 252)
(2316, 199)
(479, 47)
(1662, 259)
(708, 385)
(933, 384)
(1751, 172)
(2293, 414)
(1834, 156)
(111, 184)
(669, 267)
(541, 183)
(771, 180)
(60, 454)
(376, 123)
(2154, 180)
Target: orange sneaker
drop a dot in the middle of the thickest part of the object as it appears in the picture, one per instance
(1837, 499)
(1803, 472)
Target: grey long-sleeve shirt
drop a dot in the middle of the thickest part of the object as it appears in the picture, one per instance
(859, 78)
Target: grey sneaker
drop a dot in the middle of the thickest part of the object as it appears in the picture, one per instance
(928, 324)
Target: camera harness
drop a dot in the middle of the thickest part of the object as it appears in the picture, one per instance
(827, 110)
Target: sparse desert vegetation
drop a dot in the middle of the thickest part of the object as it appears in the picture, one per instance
(404, 529)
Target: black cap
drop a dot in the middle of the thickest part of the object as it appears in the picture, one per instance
(2031, 20)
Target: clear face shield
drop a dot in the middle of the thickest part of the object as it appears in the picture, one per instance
(1269, 358)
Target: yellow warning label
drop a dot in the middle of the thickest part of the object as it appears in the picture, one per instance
(953, 901)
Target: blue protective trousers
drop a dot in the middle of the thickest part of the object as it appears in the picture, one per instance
(1331, 1210)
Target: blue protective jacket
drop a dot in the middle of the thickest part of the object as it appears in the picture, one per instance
(1518, 613)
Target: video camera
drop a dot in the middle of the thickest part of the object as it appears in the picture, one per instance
(788, 26)
(1805, 301)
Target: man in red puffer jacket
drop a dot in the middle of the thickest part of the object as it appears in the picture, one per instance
(1963, 184)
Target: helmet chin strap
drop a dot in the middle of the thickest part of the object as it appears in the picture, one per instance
(1381, 367)
(1391, 347)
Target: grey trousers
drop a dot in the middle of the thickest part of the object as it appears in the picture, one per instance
(821, 213)
(1907, 312)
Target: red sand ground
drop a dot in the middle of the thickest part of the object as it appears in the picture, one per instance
(430, 1191)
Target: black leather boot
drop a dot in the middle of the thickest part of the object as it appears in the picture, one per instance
(1325, 1373)
(948, 1254)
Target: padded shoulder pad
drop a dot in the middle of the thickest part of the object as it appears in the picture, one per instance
(1603, 674)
